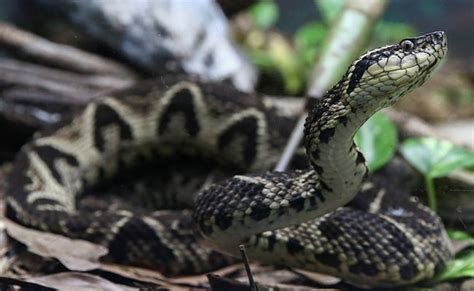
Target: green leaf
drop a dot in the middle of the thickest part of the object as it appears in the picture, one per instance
(377, 139)
(460, 235)
(388, 32)
(310, 35)
(462, 266)
(279, 56)
(264, 13)
(308, 39)
(436, 158)
(262, 59)
(458, 268)
(329, 8)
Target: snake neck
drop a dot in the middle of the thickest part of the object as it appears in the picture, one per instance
(329, 131)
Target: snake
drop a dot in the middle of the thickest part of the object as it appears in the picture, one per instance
(330, 217)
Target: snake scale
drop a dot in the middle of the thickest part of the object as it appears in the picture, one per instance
(297, 218)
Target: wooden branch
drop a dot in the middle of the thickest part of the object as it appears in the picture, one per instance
(61, 86)
(344, 41)
(350, 32)
(62, 56)
(412, 126)
(37, 96)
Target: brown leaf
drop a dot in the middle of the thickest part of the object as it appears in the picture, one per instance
(271, 276)
(136, 273)
(3, 236)
(318, 277)
(78, 281)
(18, 284)
(203, 279)
(76, 255)
(151, 276)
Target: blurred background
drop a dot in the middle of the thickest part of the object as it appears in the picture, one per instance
(402, 17)
(281, 41)
(267, 46)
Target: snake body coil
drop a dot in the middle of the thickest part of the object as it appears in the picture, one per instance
(293, 218)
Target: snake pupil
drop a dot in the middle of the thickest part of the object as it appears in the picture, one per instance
(407, 45)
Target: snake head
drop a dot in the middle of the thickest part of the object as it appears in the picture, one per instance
(385, 74)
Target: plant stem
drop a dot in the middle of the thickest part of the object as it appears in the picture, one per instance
(356, 19)
(243, 254)
(430, 188)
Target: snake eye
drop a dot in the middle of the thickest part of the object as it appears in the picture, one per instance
(438, 35)
(407, 45)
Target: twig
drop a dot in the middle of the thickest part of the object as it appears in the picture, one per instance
(348, 35)
(20, 80)
(293, 143)
(243, 255)
(412, 126)
(36, 96)
(63, 56)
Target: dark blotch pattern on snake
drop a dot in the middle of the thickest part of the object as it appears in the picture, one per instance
(295, 218)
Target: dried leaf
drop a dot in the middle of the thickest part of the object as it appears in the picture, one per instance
(467, 285)
(151, 276)
(203, 279)
(136, 273)
(17, 284)
(78, 281)
(3, 236)
(76, 255)
(220, 283)
(271, 277)
(318, 277)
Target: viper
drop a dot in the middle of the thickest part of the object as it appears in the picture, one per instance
(300, 218)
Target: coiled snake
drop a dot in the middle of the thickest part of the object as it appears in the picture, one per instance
(293, 218)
